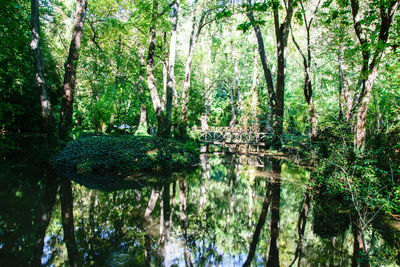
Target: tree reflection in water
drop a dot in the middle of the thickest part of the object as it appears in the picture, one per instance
(213, 215)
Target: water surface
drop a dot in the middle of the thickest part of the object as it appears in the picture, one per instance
(229, 211)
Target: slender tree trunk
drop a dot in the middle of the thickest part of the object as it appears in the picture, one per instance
(47, 113)
(67, 215)
(70, 71)
(255, 98)
(281, 35)
(171, 62)
(277, 94)
(344, 90)
(360, 131)
(369, 69)
(233, 121)
(194, 36)
(142, 128)
(158, 108)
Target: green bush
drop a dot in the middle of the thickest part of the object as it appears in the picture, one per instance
(114, 154)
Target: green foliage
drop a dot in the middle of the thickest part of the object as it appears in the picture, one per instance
(113, 154)
(364, 179)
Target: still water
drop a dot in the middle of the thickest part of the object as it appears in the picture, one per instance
(231, 210)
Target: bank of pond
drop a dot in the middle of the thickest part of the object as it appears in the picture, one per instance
(229, 210)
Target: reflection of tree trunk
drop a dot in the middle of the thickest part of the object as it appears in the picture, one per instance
(67, 216)
(147, 216)
(301, 226)
(205, 167)
(48, 201)
(166, 208)
(93, 204)
(231, 182)
(273, 255)
(182, 205)
(260, 225)
(251, 198)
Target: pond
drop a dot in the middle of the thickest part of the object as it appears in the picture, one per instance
(231, 210)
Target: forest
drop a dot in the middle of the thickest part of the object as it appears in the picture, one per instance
(200, 133)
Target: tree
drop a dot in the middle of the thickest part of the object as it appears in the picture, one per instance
(163, 112)
(70, 71)
(276, 93)
(308, 91)
(194, 36)
(47, 113)
(372, 50)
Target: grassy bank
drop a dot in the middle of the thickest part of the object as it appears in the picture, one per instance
(116, 154)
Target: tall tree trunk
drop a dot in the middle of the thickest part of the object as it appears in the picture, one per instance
(70, 71)
(233, 121)
(163, 120)
(277, 94)
(67, 215)
(308, 90)
(171, 62)
(369, 69)
(158, 107)
(142, 128)
(47, 113)
(345, 109)
(194, 36)
(281, 36)
(255, 97)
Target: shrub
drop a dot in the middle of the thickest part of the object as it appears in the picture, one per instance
(113, 154)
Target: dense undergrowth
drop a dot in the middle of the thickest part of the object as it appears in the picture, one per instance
(126, 153)
(370, 179)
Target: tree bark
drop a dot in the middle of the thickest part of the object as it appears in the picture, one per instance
(194, 36)
(255, 97)
(47, 113)
(70, 71)
(281, 35)
(142, 128)
(67, 215)
(171, 84)
(277, 94)
(369, 69)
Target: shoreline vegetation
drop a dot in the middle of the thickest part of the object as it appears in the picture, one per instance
(126, 153)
